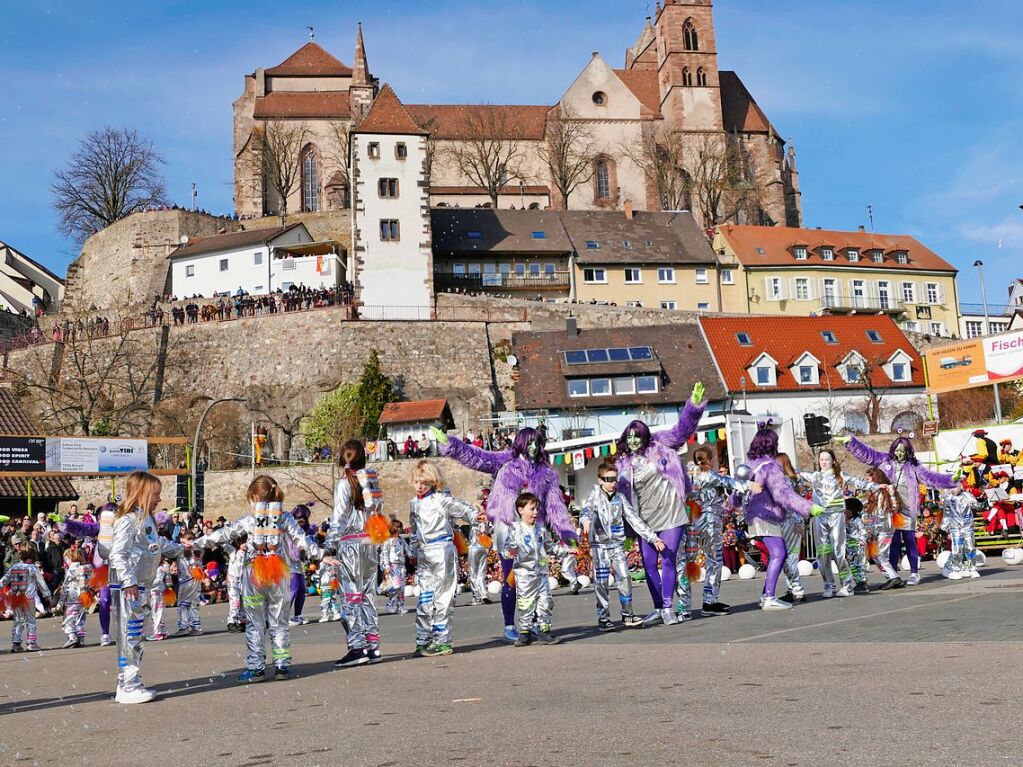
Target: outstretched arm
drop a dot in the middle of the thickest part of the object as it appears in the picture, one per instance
(473, 457)
(679, 434)
(935, 479)
(557, 513)
(781, 490)
(80, 529)
(865, 453)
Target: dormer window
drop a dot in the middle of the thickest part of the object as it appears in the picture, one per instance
(853, 254)
(827, 254)
(799, 252)
(806, 370)
(852, 367)
(763, 370)
(902, 257)
(877, 257)
(899, 367)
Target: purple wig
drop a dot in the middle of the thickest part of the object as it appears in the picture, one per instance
(107, 507)
(765, 442)
(910, 453)
(642, 431)
(520, 445)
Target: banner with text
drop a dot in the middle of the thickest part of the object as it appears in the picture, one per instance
(975, 362)
(103, 455)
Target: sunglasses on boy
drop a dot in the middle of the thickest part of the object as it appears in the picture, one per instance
(609, 478)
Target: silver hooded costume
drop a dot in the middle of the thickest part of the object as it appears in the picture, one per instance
(135, 554)
(712, 492)
(530, 548)
(476, 564)
(235, 568)
(24, 581)
(189, 590)
(957, 521)
(270, 530)
(76, 580)
(430, 519)
(393, 553)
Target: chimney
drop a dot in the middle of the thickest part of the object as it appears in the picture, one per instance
(570, 326)
(862, 228)
(596, 53)
(627, 205)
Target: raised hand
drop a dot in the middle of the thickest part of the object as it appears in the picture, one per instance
(698, 392)
(439, 436)
(816, 510)
(842, 439)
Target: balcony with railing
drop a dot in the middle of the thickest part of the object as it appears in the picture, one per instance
(838, 304)
(548, 282)
(993, 310)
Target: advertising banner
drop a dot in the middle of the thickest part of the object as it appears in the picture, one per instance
(84, 455)
(22, 454)
(975, 362)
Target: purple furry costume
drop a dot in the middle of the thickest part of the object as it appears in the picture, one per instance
(659, 449)
(914, 475)
(514, 473)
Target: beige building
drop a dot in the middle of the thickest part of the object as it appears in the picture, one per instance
(669, 90)
(801, 272)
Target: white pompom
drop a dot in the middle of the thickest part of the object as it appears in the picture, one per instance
(725, 573)
(942, 558)
(494, 588)
(981, 559)
(410, 591)
(904, 564)
(746, 572)
(584, 581)
(805, 567)
(552, 581)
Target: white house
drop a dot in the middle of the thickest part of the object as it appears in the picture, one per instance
(999, 318)
(26, 284)
(391, 212)
(257, 261)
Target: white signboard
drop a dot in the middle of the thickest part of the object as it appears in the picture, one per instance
(578, 460)
(83, 455)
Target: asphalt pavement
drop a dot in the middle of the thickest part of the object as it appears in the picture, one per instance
(925, 675)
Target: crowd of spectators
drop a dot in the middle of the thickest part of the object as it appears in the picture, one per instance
(242, 304)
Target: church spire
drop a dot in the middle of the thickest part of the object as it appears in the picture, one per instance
(360, 71)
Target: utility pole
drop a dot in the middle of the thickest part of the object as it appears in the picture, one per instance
(987, 331)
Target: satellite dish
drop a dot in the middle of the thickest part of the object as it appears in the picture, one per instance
(513, 360)
(183, 239)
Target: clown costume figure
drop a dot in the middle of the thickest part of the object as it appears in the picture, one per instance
(906, 475)
(957, 521)
(524, 466)
(651, 477)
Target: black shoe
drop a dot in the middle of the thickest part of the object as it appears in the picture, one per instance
(716, 608)
(488, 601)
(547, 637)
(899, 584)
(281, 674)
(353, 658)
(861, 588)
(525, 638)
(891, 583)
(788, 597)
(605, 626)
(373, 653)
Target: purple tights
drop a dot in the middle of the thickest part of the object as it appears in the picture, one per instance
(298, 592)
(662, 583)
(905, 538)
(104, 610)
(507, 593)
(776, 559)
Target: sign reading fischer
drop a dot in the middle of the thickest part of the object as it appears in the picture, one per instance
(22, 454)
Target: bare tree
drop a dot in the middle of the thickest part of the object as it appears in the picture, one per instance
(113, 173)
(661, 156)
(282, 143)
(338, 153)
(567, 151)
(284, 408)
(484, 154)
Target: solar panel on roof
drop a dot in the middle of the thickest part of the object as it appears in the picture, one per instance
(576, 357)
(596, 355)
(641, 353)
(618, 355)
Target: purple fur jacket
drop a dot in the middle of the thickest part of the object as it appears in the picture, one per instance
(661, 452)
(777, 497)
(512, 476)
(915, 473)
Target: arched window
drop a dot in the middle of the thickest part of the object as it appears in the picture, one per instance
(687, 77)
(690, 40)
(310, 179)
(701, 77)
(907, 421)
(603, 176)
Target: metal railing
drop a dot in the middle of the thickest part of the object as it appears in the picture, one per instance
(862, 303)
(446, 282)
(993, 310)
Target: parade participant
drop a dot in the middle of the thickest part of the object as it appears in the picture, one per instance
(765, 510)
(529, 545)
(479, 552)
(76, 597)
(856, 544)
(793, 530)
(829, 485)
(652, 479)
(327, 580)
(1007, 456)
(603, 519)
(190, 575)
(135, 554)
(23, 583)
(356, 497)
(297, 582)
(431, 514)
(882, 505)
(160, 591)
(523, 466)
(393, 554)
(265, 583)
(103, 534)
(957, 521)
(906, 474)
(712, 491)
(570, 568)
(986, 453)
(1002, 511)
(236, 554)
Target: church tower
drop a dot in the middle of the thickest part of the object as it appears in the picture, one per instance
(687, 65)
(363, 87)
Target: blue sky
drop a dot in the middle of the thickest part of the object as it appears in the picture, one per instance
(912, 107)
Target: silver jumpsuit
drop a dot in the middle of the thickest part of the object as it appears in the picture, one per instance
(135, 554)
(570, 568)
(189, 590)
(24, 580)
(477, 561)
(712, 491)
(530, 549)
(358, 572)
(856, 548)
(235, 568)
(829, 528)
(393, 553)
(879, 528)
(330, 606)
(163, 581)
(430, 520)
(76, 579)
(607, 515)
(269, 529)
(957, 521)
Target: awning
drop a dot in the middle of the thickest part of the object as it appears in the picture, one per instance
(327, 247)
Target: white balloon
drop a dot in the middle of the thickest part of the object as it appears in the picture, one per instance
(494, 588)
(747, 571)
(552, 581)
(725, 573)
(942, 558)
(584, 580)
(904, 564)
(410, 591)
(1013, 556)
(805, 567)
(981, 559)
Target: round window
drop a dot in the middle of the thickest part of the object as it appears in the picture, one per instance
(600, 98)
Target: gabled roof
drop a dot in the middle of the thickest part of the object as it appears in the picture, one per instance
(455, 121)
(644, 86)
(310, 61)
(230, 241)
(416, 411)
(500, 231)
(299, 104)
(775, 241)
(786, 338)
(388, 115)
(674, 238)
(739, 112)
(682, 353)
(14, 420)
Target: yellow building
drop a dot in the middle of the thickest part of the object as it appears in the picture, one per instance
(799, 272)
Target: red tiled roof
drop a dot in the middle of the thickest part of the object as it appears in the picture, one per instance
(417, 411)
(644, 85)
(775, 241)
(292, 104)
(453, 121)
(217, 242)
(785, 339)
(388, 115)
(739, 112)
(14, 420)
(310, 61)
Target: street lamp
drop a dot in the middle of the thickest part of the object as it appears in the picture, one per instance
(195, 444)
(987, 331)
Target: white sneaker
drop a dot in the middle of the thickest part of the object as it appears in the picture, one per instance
(104, 641)
(974, 574)
(828, 593)
(913, 579)
(955, 575)
(845, 591)
(324, 619)
(773, 603)
(141, 695)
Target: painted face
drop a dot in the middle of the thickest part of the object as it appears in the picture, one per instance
(900, 453)
(533, 450)
(826, 461)
(633, 441)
